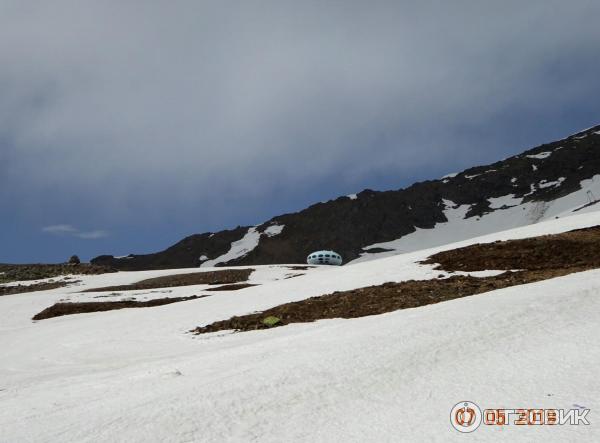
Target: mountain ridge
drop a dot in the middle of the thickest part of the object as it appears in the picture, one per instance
(351, 224)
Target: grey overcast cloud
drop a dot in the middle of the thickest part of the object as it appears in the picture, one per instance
(126, 125)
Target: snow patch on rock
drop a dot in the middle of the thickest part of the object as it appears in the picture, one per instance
(451, 175)
(546, 184)
(274, 230)
(541, 155)
(515, 214)
(238, 248)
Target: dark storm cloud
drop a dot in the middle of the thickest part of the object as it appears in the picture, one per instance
(130, 110)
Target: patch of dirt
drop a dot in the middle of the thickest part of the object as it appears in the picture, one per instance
(292, 276)
(233, 287)
(11, 273)
(378, 299)
(226, 276)
(21, 289)
(578, 248)
(377, 250)
(539, 258)
(60, 309)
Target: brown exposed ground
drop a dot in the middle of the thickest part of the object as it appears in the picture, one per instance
(233, 287)
(378, 299)
(11, 273)
(578, 248)
(539, 258)
(227, 276)
(60, 309)
(20, 289)
(293, 276)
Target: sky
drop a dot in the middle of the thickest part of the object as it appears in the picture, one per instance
(127, 125)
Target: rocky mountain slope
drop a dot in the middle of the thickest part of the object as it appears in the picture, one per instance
(549, 181)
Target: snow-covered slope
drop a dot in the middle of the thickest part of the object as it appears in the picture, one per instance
(137, 375)
(510, 212)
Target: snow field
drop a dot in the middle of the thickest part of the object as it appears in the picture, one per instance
(136, 375)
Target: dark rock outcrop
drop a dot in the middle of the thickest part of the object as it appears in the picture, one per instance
(348, 225)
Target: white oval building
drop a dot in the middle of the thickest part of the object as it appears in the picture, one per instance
(324, 258)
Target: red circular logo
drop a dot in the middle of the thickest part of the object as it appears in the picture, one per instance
(465, 416)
